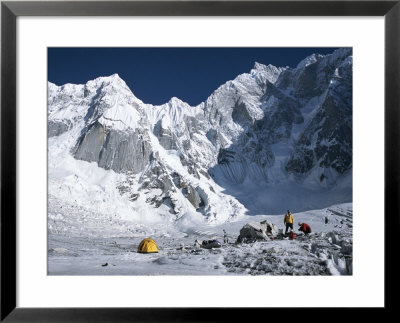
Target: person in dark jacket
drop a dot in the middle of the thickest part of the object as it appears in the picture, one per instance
(226, 240)
(304, 227)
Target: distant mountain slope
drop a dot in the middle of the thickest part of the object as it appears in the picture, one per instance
(273, 131)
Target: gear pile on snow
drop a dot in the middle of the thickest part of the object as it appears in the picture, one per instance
(209, 244)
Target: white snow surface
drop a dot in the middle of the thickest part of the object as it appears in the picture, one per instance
(171, 114)
(83, 242)
(120, 117)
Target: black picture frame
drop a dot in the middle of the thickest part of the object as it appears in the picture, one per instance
(10, 10)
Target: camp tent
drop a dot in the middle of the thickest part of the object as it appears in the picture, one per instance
(147, 245)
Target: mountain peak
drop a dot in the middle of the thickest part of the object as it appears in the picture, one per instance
(265, 68)
(174, 101)
(112, 85)
(112, 79)
(266, 72)
(258, 66)
(309, 60)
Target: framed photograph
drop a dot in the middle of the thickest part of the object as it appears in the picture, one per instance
(184, 160)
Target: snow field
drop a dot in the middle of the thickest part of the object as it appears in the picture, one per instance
(82, 242)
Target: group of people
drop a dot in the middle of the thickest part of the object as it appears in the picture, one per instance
(288, 221)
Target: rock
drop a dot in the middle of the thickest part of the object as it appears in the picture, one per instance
(165, 136)
(253, 231)
(193, 197)
(333, 238)
(134, 197)
(270, 250)
(113, 149)
(271, 229)
(56, 128)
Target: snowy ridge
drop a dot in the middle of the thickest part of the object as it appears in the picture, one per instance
(309, 60)
(264, 73)
(170, 114)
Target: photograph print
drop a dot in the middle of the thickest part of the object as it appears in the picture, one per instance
(200, 161)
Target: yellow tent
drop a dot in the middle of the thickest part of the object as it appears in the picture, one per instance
(147, 245)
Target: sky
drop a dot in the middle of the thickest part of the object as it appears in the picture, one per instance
(155, 75)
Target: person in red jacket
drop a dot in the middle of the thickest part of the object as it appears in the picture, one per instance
(304, 227)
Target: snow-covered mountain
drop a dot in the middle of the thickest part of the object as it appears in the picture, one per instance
(269, 140)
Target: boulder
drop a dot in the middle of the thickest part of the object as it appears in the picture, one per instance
(253, 231)
(271, 228)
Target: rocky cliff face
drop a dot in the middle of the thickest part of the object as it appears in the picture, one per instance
(272, 125)
(326, 141)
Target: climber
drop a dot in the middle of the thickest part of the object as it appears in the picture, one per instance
(226, 240)
(288, 220)
(304, 227)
